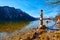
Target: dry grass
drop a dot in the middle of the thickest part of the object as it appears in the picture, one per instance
(29, 33)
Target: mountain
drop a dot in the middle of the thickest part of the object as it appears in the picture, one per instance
(12, 14)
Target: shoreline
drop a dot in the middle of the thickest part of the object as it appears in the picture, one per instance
(29, 33)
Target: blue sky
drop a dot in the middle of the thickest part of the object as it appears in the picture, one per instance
(33, 7)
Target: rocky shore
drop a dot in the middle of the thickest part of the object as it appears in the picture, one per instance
(31, 35)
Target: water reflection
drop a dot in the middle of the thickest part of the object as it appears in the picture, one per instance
(32, 24)
(12, 26)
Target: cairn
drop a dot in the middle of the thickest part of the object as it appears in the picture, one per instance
(39, 30)
(41, 18)
(41, 27)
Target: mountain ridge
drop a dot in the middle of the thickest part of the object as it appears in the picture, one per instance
(12, 14)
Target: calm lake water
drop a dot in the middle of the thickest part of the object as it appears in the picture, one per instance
(32, 24)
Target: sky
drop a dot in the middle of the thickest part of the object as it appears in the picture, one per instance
(32, 7)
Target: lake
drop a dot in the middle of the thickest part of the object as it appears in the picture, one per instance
(21, 27)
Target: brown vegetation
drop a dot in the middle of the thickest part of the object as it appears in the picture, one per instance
(29, 34)
(57, 17)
